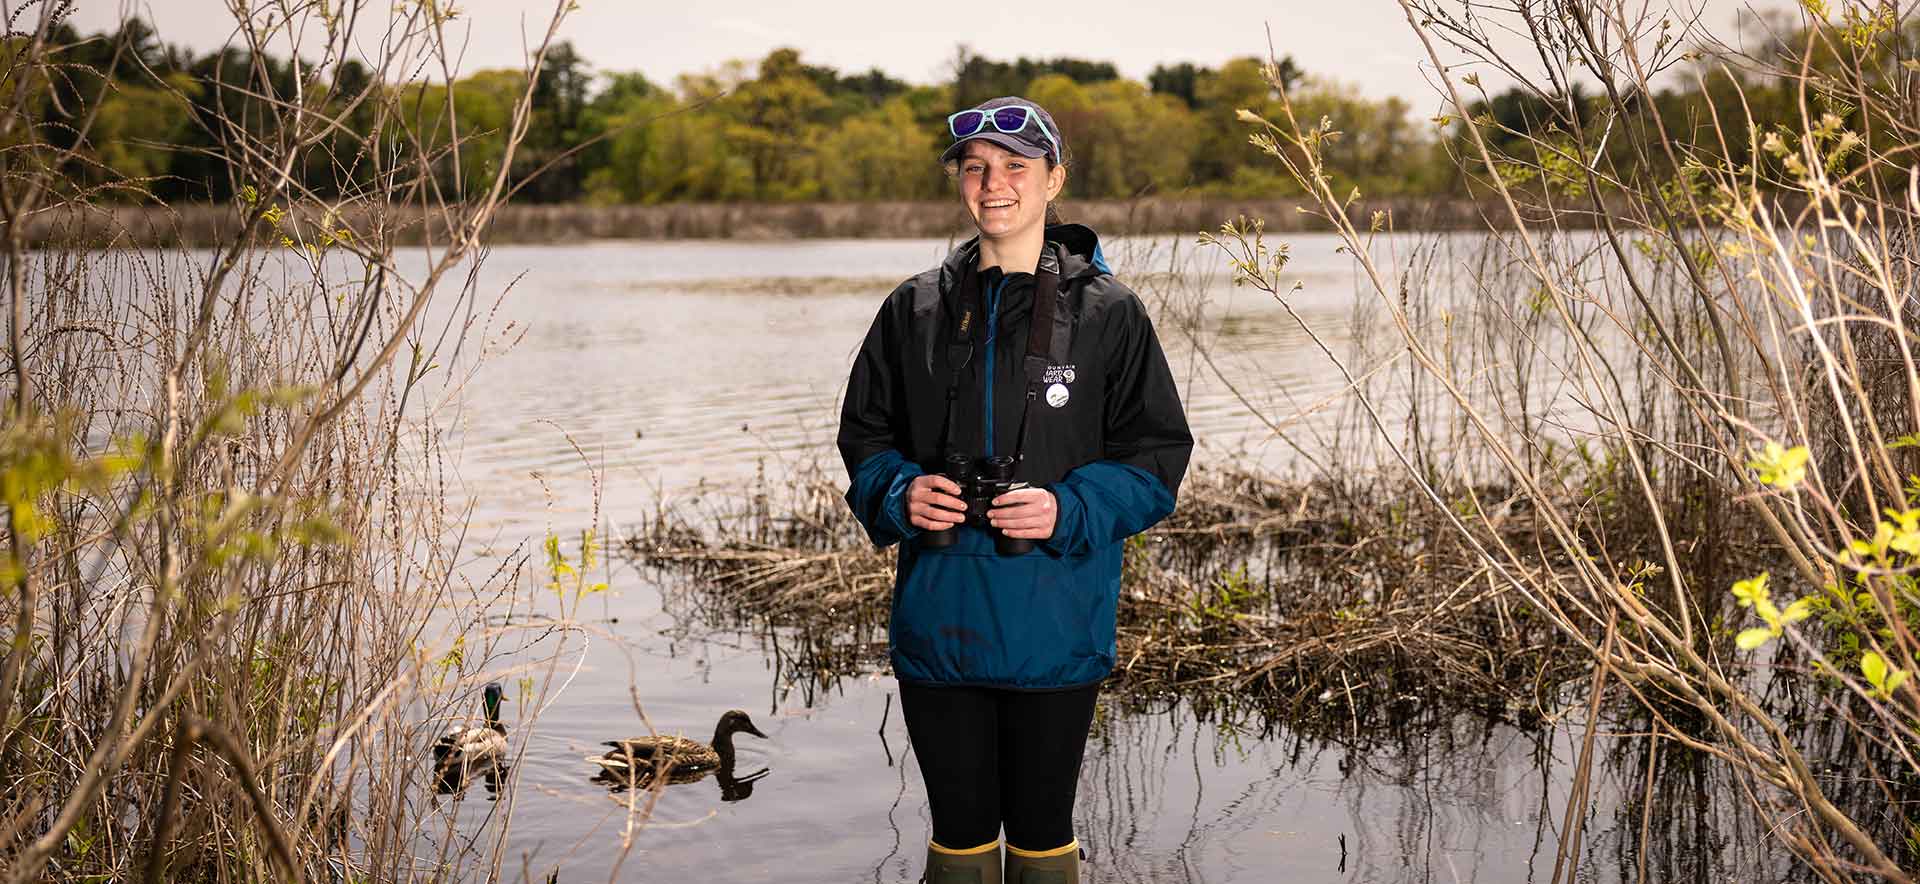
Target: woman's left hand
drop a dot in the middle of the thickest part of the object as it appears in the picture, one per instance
(1025, 513)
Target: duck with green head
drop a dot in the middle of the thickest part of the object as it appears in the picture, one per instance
(466, 750)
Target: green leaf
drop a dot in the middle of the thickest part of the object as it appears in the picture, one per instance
(1874, 667)
(1751, 590)
(1781, 467)
(1753, 638)
(1798, 611)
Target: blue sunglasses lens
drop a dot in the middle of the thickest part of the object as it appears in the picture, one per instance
(966, 123)
(1010, 119)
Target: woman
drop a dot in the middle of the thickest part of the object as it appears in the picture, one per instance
(1019, 353)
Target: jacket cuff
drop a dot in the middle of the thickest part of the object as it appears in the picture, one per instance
(895, 507)
(878, 496)
(1105, 502)
(1069, 522)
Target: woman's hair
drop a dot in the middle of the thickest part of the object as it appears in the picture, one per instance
(1053, 213)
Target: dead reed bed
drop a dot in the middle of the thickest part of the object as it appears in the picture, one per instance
(1314, 601)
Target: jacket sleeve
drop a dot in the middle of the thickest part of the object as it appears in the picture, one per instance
(1146, 448)
(872, 424)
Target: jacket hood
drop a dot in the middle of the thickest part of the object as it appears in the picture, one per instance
(1076, 246)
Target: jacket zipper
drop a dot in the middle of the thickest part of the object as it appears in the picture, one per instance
(993, 325)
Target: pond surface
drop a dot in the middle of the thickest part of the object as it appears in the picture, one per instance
(670, 363)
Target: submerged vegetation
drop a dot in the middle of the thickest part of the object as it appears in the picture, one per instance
(1260, 590)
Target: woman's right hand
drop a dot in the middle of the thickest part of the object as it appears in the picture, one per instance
(933, 503)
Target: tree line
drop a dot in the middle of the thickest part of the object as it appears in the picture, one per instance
(783, 129)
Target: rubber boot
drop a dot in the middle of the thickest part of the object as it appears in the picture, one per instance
(1060, 865)
(974, 865)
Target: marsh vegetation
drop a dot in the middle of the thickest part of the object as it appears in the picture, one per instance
(1630, 473)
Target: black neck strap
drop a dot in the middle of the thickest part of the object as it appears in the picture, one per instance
(971, 326)
(1046, 289)
(960, 348)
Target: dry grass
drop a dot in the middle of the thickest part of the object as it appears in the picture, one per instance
(1748, 290)
(234, 615)
(1301, 598)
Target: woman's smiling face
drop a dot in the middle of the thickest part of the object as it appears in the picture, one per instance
(1006, 193)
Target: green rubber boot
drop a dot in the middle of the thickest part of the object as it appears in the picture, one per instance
(1060, 865)
(976, 865)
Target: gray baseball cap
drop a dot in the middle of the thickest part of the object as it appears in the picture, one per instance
(1034, 132)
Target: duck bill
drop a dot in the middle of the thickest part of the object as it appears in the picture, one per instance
(749, 728)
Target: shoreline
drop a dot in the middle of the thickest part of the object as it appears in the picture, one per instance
(209, 224)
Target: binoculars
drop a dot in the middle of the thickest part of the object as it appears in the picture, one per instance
(980, 480)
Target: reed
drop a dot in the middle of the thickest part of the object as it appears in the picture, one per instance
(1705, 405)
(234, 614)
(1306, 599)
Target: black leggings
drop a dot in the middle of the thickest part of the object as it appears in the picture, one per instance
(990, 757)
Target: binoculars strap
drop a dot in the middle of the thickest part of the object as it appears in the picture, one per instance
(960, 350)
(1039, 342)
(1046, 290)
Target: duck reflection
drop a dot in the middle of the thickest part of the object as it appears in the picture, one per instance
(670, 760)
(454, 779)
(732, 787)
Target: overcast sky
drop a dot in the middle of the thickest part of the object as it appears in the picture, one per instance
(1364, 42)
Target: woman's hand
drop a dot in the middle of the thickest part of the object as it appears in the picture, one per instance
(1025, 513)
(933, 503)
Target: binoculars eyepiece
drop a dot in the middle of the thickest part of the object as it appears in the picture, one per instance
(981, 479)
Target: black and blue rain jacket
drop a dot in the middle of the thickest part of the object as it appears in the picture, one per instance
(1108, 438)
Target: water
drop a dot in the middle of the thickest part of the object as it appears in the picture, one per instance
(676, 361)
(667, 363)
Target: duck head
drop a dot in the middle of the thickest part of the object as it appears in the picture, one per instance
(490, 701)
(735, 721)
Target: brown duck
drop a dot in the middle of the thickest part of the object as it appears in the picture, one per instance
(682, 759)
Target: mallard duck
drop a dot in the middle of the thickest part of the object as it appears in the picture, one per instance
(466, 750)
(677, 756)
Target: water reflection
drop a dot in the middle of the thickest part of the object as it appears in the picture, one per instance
(454, 779)
(732, 787)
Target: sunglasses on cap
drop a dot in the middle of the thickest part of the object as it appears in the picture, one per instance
(1011, 119)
